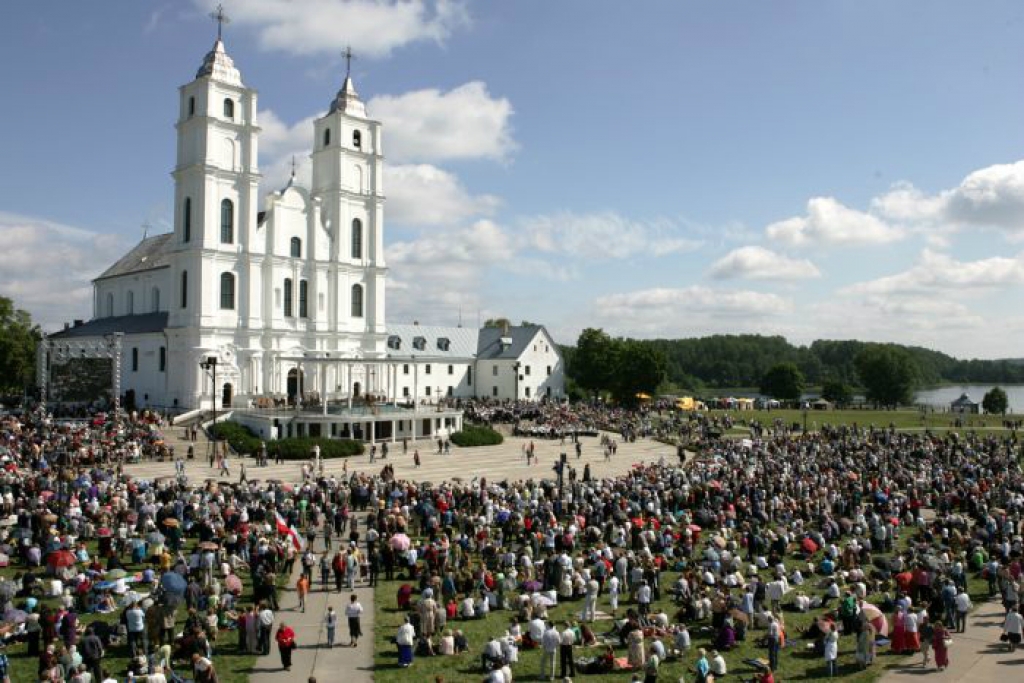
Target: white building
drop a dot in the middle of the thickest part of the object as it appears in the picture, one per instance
(287, 299)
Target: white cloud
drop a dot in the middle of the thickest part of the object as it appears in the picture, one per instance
(433, 126)
(992, 196)
(423, 195)
(758, 263)
(604, 235)
(829, 222)
(371, 27)
(48, 267)
(936, 273)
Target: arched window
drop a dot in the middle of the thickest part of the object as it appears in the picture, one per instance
(229, 108)
(303, 299)
(135, 359)
(227, 291)
(357, 139)
(110, 305)
(186, 220)
(327, 136)
(287, 297)
(227, 221)
(131, 302)
(296, 247)
(184, 289)
(191, 107)
(155, 298)
(357, 301)
(357, 239)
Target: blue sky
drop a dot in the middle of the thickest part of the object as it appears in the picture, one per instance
(816, 170)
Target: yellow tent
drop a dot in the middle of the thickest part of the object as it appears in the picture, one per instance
(643, 397)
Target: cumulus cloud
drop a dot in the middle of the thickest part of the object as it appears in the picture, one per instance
(433, 126)
(425, 195)
(371, 27)
(992, 196)
(758, 263)
(48, 266)
(830, 222)
(936, 272)
(603, 235)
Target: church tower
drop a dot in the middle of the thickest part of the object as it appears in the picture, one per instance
(347, 178)
(216, 182)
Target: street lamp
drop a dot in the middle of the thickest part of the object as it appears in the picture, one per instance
(209, 365)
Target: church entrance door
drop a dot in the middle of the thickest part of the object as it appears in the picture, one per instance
(355, 390)
(226, 395)
(295, 382)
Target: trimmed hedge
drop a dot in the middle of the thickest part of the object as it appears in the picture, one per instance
(239, 437)
(473, 435)
(300, 448)
(244, 442)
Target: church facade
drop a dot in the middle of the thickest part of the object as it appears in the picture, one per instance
(281, 301)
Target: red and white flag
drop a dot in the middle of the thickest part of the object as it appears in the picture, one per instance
(283, 528)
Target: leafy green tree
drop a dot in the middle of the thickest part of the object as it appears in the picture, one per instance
(19, 339)
(888, 373)
(995, 401)
(783, 381)
(497, 322)
(837, 392)
(640, 369)
(594, 361)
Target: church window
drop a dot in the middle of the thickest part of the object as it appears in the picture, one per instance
(135, 359)
(394, 342)
(549, 371)
(184, 289)
(186, 220)
(451, 369)
(163, 359)
(405, 392)
(156, 299)
(527, 392)
(357, 139)
(227, 221)
(229, 108)
(451, 391)
(357, 301)
(469, 376)
(303, 298)
(357, 239)
(296, 247)
(419, 343)
(191, 107)
(227, 291)
(443, 344)
(110, 305)
(427, 370)
(527, 369)
(131, 302)
(405, 369)
(287, 297)
(494, 370)
(428, 391)
(494, 391)
(327, 136)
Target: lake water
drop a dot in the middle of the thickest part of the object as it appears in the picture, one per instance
(941, 397)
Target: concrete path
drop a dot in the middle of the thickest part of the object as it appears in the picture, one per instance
(976, 655)
(312, 657)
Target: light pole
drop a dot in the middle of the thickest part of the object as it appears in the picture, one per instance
(515, 369)
(209, 364)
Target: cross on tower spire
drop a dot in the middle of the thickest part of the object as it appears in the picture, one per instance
(349, 56)
(293, 166)
(221, 18)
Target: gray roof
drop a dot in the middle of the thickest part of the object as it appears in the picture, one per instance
(129, 324)
(489, 344)
(462, 342)
(149, 254)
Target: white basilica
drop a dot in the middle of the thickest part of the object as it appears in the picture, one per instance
(287, 299)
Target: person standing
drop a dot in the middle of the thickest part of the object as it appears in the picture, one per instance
(404, 640)
(302, 588)
(266, 616)
(963, 606)
(941, 641)
(549, 642)
(285, 645)
(1013, 626)
(832, 651)
(774, 642)
(331, 624)
(354, 612)
(566, 662)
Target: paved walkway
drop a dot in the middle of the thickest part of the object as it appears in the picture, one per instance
(312, 657)
(976, 655)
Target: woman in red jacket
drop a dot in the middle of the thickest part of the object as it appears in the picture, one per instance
(285, 644)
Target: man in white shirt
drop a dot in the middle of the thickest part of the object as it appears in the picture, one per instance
(535, 631)
(962, 601)
(717, 663)
(549, 643)
(566, 662)
(1013, 627)
(491, 657)
(266, 626)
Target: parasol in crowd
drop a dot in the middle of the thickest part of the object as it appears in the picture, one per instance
(103, 532)
(173, 582)
(61, 558)
(115, 574)
(400, 542)
(876, 618)
(233, 584)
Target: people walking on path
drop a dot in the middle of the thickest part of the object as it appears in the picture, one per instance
(331, 625)
(354, 612)
(285, 645)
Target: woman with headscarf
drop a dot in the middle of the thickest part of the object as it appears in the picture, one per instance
(404, 639)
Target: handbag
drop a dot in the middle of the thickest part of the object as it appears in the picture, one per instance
(947, 642)
(1003, 637)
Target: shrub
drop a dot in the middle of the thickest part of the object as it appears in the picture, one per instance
(300, 448)
(473, 435)
(239, 437)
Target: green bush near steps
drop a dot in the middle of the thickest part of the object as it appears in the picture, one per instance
(244, 442)
(473, 435)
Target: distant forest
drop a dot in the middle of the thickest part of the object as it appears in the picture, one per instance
(742, 360)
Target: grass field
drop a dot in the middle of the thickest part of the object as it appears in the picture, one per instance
(232, 666)
(796, 662)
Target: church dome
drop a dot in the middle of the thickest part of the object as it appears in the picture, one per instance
(347, 100)
(219, 66)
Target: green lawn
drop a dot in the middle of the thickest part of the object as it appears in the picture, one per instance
(795, 662)
(232, 665)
